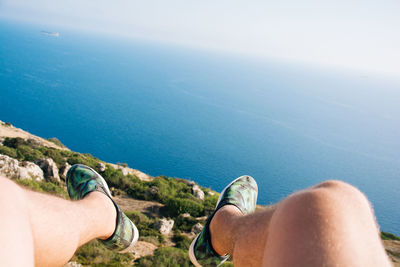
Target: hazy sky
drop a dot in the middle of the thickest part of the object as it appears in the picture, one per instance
(355, 34)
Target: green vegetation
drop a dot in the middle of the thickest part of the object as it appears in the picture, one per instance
(56, 141)
(95, 254)
(176, 206)
(182, 241)
(122, 164)
(87, 159)
(145, 227)
(44, 187)
(55, 154)
(27, 153)
(29, 150)
(11, 152)
(175, 193)
(14, 142)
(185, 223)
(389, 236)
(166, 256)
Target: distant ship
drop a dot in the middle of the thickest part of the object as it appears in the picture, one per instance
(54, 34)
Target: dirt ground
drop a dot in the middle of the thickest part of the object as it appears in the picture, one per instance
(393, 249)
(11, 131)
(149, 208)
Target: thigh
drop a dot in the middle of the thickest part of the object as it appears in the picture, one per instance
(16, 240)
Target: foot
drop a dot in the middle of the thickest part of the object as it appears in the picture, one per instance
(241, 193)
(82, 180)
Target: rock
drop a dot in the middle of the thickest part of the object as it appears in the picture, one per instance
(141, 175)
(196, 229)
(101, 167)
(64, 170)
(197, 192)
(9, 167)
(142, 249)
(164, 226)
(190, 183)
(49, 168)
(14, 169)
(29, 170)
(211, 193)
(33, 142)
(73, 264)
(203, 218)
(126, 171)
(152, 190)
(185, 215)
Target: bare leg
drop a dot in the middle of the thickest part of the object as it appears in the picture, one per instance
(15, 230)
(331, 224)
(42, 230)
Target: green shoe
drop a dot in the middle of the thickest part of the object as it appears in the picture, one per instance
(242, 193)
(81, 180)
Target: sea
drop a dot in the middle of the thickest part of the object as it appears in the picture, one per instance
(206, 116)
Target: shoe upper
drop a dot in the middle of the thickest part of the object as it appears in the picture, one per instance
(242, 193)
(81, 180)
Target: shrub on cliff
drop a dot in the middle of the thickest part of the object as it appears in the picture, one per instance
(116, 179)
(95, 254)
(87, 159)
(25, 152)
(176, 206)
(55, 154)
(184, 223)
(145, 227)
(182, 241)
(14, 142)
(8, 151)
(210, 201)
(389, 236)
(165, 256)
(55, 140)
(44, 187)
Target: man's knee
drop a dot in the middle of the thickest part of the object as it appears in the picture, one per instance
(335, 184)
(339, 190)
(331, 195)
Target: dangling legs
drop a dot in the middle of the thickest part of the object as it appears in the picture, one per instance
(331, 224)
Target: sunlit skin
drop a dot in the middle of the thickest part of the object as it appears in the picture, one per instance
(331, 224)
(43, 230)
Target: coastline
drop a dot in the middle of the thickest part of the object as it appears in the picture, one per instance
(140, 206)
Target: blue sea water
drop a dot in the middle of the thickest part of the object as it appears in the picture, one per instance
(205, 116)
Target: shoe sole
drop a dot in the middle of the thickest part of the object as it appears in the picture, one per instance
(191, 248)
(134, 240)
(135, 230)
